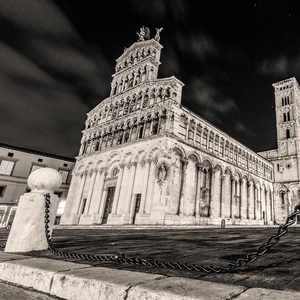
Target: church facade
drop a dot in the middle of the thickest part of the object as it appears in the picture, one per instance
(147, 159)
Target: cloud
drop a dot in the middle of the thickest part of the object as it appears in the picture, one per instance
(163, 9)
(277, 66)
(210, 102)
(281, 66)
(207, 100)
(49, 78)
(198, 45)
(241, 128)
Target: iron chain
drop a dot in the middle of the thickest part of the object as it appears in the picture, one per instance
(122, 258)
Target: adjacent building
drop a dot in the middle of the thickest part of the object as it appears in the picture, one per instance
(286, 158)
(16, 164)
(147, 159)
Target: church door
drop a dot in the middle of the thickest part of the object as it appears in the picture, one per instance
(137, 206)
(108, 203)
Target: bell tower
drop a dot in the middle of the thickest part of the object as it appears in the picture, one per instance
(287, 105)
(139, 63)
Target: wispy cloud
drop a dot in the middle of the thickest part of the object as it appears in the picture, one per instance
(198, 45)
(212, 104)
(205, 98)
(48, 77)
(280, 66)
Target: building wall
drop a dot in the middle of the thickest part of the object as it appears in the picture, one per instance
(16, 164)
(197, 188)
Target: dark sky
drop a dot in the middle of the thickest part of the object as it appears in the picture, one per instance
(57, 58)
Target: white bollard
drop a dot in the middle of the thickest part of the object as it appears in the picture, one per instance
(27, 232)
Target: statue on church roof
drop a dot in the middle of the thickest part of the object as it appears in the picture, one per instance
(157, 36)
(144, 34)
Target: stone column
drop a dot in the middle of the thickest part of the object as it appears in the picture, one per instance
(169, 122)
(243, 199)
(130, 188)
(266, 205)
(255, 201)
(130, 133)
(248, 200)
(238, 199)
(79, 195)
(232, 198)
(222, 194)
(211, 193)
(260, 203)
(183, 185)
(288, 202)
(71, 194)
(187, 130)
(151, 126)
(90, 192)
(95, 196)
(159, 123)
(28, 229)
(145, 186)
(198, 190)
(215, 193)
(118, 189)
(195, 133)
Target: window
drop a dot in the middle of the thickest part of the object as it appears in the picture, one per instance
(65, 165)
(35, 167)
(288, 134)
(282, 197)
(6, 167)
(40, 160)
(2, 190)
(10, 154)
(64, 175)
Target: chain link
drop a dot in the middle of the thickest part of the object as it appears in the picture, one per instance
(122, 258)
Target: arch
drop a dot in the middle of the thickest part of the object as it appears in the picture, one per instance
(194, 153)
(127, 157)
(153, 152)
(179, 149)
(218, 167)
(228, 170)
(139, 155)
(111, 157)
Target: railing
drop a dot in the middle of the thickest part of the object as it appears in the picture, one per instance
(122, 258)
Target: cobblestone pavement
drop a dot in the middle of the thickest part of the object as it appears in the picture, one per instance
(278, 269)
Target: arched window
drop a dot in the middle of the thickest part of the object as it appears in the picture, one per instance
(288, 116)
(288, 134)
(141, 129)
(282, 197)
(284, 117)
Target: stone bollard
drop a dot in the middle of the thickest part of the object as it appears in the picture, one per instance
(27, 232)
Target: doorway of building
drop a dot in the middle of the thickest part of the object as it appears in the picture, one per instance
(137, 206)
(108, 203)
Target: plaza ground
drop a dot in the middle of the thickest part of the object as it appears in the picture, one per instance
(278, 269)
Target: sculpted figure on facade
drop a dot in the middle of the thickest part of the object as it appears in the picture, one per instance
(162, 173)
(157, 36)
(144, 34)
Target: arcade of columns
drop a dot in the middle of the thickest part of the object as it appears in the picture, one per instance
(197, 189)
